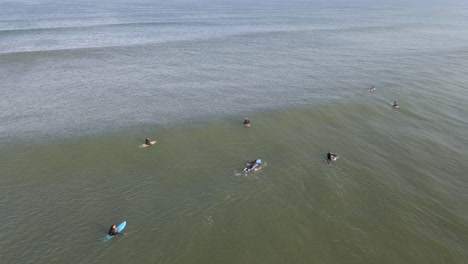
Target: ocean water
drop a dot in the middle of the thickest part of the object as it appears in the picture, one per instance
(82, 84)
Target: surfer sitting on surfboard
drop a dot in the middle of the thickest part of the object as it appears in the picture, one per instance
(395, 103)
(331, 156)
(246, 121)
(113, 230)
(147, 141)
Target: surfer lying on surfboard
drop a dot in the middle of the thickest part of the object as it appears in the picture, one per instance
(372, 89)
(252, 165)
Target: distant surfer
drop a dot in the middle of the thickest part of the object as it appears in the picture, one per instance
(113, 231)
(148, 142)
(395, 104)
(247, 122)
(252, 165)
(372, 89)
(331, 156)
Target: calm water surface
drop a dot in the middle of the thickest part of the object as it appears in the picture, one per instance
(82, 85)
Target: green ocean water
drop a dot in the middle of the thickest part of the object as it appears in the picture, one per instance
(83, 84)
(393, 196)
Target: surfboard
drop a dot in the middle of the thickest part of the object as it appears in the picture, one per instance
(144, 145)
(396, 106)
(119, 228)
(247, 125)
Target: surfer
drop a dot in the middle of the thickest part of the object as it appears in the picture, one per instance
(330, 157)
(147, 141)
(252, 165)
(372, 89)
(246, 121)
(395, 103)
(113, 230)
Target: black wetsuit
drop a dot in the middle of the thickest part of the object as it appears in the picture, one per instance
(246, 121)
(251, 164)
(147, 142)
(113, 231)
(330, 156)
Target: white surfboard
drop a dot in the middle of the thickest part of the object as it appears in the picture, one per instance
(144, 145)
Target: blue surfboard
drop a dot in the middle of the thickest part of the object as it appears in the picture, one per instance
(119, 228)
